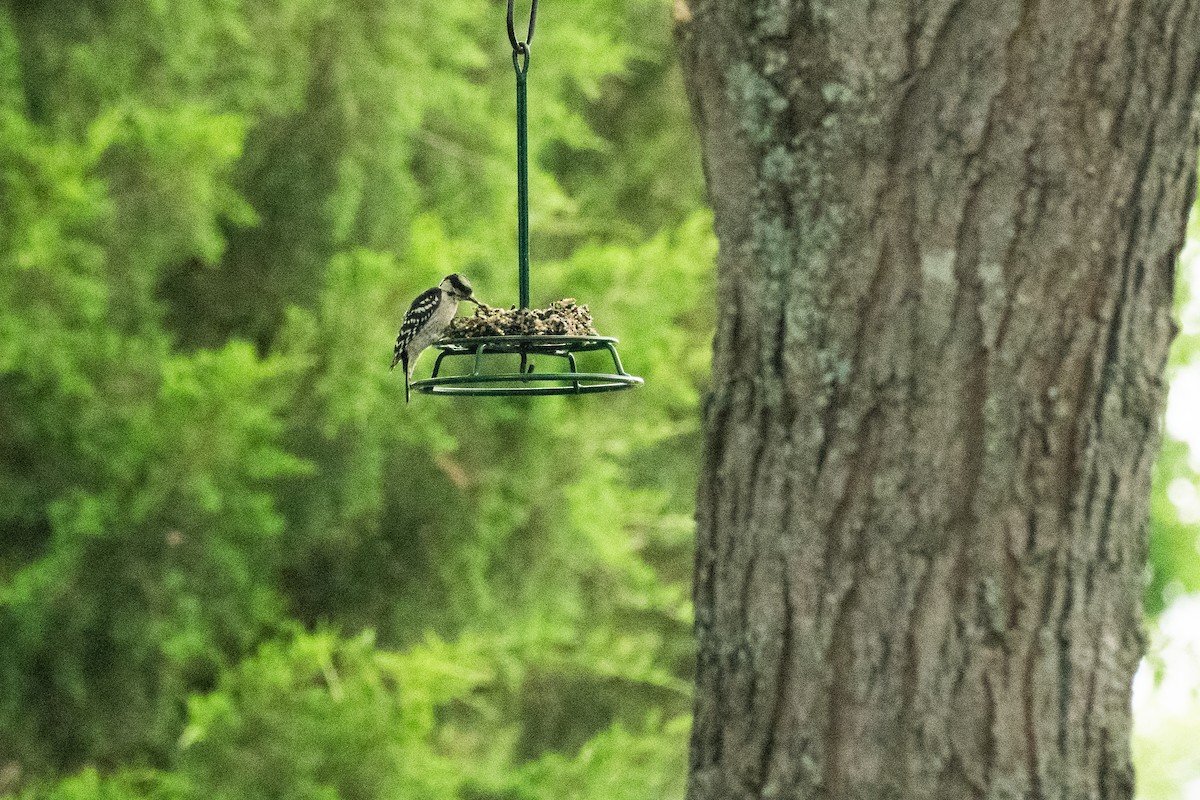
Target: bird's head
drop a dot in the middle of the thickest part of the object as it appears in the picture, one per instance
(458, 287)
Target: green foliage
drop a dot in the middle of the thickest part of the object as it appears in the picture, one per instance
(335, 718)
(1174, 541)
(89, 784)
(143, 574)
(1165, 696)
(617, 765)
(326, 719)
(214, 213)
(1174, 565)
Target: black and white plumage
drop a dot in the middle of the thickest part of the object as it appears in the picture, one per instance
(427, 319)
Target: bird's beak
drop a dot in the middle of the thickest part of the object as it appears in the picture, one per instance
(471, 300)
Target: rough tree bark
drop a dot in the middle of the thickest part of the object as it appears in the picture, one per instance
(948, 235)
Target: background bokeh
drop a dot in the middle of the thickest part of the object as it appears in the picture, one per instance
(233, 564)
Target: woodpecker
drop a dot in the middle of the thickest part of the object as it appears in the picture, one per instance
(427, 319)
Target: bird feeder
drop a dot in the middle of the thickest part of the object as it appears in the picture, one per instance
(505, 365)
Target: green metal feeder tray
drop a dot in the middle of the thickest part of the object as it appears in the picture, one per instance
(526, 379)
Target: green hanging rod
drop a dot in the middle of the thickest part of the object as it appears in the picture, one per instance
(521, 66)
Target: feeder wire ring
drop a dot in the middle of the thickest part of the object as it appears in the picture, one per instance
(521, 47)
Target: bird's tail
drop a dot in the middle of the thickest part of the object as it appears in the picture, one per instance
(401, 357)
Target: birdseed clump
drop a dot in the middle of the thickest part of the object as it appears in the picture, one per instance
(563, 318)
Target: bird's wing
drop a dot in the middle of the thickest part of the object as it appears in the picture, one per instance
(418, 314)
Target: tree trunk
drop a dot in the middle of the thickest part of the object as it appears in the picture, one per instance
(948, 235)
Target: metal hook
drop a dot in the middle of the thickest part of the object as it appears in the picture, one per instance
(518, 46)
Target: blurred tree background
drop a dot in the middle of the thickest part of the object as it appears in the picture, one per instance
(234, 564)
